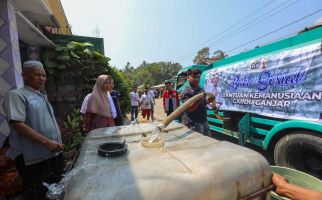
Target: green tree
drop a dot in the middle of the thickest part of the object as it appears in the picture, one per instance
(74, 68)
(151, 73)
(219, 54)
(202, 54)
(128, 68)
(122, 84)
(74, 64)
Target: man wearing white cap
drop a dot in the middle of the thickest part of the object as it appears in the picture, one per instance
(35, 139)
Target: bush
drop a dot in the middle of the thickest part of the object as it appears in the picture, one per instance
(72, 71)
(72, 135)
(122, 84)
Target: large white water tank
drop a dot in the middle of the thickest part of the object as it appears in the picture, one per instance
(191, 166)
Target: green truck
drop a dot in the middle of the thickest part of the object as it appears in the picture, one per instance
(270, 97)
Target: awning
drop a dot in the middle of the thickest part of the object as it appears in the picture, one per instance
(141, 87)
(36, 11)
(158, 86)
(29, 34)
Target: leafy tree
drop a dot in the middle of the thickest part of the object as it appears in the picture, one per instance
(201, 55)
(219, 54)
(74, 63)
(151, 73)
(74, 68)
(122, 84)
(128, 68)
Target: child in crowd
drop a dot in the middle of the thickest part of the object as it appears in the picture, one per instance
(145, 103)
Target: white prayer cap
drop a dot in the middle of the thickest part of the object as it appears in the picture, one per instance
(32, 64)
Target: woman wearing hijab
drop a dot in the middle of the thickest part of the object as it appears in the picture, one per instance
(100, 111)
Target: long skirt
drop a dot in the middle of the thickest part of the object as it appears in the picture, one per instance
(94, 121)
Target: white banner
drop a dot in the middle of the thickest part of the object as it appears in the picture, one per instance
(286, 84)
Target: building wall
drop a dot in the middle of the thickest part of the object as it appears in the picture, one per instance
(10, 63)
(59, 13)
(10, 57)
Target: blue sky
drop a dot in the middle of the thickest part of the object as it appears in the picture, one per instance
(174, 30)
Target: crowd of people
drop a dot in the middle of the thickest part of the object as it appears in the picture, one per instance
(35, 140)
(146, 101)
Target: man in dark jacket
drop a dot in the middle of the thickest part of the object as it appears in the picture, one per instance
(195, 117)
(116, 100)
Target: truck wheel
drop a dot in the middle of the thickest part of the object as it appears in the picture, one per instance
(301, 150)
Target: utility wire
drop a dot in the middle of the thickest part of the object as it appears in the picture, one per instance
(248, 25)
(265, 35)
(225, 30)
(251, 24)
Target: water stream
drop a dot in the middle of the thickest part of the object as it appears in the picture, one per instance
(56, 191)
(157, 132)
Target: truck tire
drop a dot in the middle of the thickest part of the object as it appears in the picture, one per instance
(301, 150)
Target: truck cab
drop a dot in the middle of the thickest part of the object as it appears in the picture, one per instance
(181, 79)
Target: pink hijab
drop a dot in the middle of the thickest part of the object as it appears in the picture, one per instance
(97, 102)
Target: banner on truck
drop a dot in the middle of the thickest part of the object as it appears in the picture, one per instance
(287, 84)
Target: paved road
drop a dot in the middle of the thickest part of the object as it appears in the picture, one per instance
(159, 114)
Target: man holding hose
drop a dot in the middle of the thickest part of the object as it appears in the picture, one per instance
(195, 117)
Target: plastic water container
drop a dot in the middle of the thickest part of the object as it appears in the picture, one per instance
(189, 166)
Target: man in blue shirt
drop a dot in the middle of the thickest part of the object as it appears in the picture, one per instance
(35, 138)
